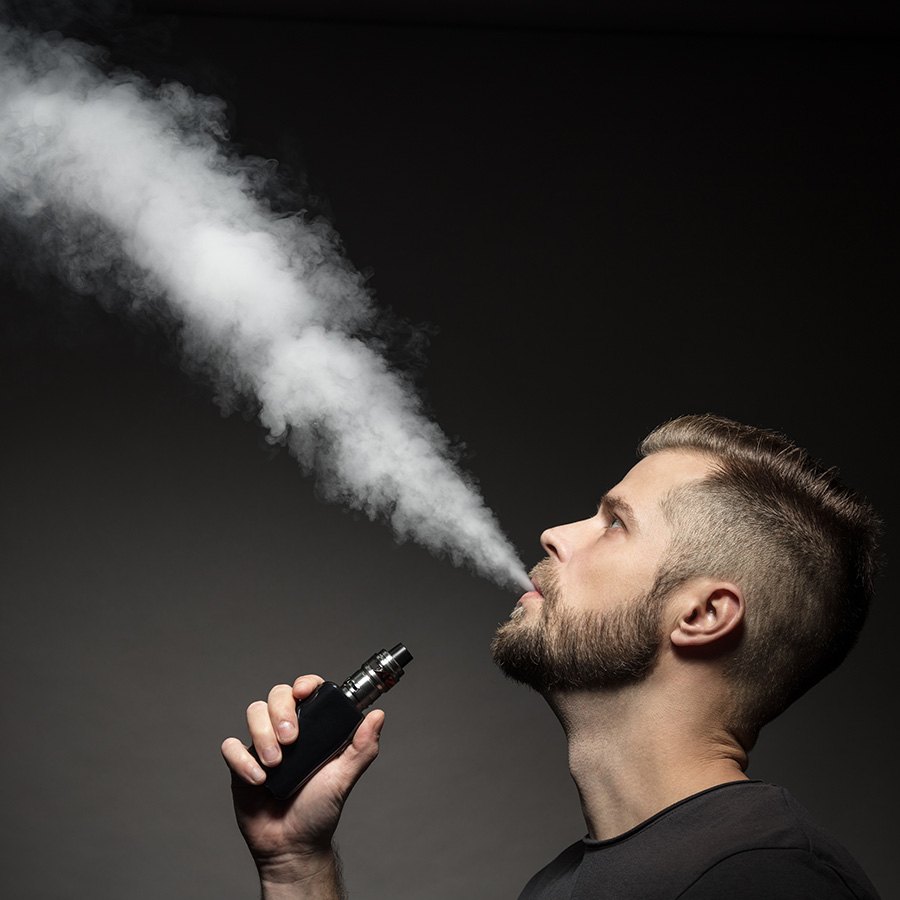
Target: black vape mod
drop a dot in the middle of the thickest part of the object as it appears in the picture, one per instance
(329, 717)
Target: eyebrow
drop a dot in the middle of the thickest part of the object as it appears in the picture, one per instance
(612, 503)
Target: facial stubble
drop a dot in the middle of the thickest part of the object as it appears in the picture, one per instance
(559, 649)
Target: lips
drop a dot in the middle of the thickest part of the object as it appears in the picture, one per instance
(532, 595)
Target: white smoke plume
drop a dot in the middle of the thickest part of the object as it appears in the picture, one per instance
(131, 192)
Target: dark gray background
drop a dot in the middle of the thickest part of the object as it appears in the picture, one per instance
(607, 229)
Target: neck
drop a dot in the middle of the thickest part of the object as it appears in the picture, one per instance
(633, 752)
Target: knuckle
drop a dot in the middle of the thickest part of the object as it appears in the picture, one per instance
(278, 692)
(258, 717)
(234, 753)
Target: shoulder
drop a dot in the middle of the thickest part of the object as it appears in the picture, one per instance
(768, 844)
(557, 879)
(782, 873)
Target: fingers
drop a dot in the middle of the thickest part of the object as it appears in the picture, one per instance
(241, 763)
(281, 727)
(274, 722)
(305, 685)
(352, 763)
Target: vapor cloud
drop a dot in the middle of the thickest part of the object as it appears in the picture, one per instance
(131, 192)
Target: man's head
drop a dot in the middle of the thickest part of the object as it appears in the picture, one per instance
(783, 550)
(594, 620)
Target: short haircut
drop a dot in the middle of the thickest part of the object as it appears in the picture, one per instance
(800, 544)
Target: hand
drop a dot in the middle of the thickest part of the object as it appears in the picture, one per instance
(290, 840)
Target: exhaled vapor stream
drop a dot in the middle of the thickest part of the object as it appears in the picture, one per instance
(129, 190)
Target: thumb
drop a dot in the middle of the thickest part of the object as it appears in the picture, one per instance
(363, 749)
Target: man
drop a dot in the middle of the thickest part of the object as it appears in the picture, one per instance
(721, 578)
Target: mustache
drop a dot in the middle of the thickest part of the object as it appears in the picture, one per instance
(543, 575)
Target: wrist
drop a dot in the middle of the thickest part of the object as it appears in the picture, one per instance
(310, 876)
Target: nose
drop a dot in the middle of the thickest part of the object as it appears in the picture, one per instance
(555, 542)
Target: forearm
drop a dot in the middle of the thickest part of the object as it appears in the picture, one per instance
(315, 879)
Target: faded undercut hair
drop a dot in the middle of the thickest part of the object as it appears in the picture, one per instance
(800, 544)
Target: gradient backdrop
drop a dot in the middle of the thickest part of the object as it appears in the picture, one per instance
(604, 231)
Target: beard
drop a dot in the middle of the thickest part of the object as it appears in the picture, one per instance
(559, 649)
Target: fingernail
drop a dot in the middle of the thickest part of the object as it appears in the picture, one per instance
(257, 776)
(269, 755)
(286, 730)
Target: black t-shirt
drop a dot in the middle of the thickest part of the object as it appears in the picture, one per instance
(745, 840)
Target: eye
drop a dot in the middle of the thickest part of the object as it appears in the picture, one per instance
(615, 522)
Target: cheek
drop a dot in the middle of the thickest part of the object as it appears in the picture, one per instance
(620, 572)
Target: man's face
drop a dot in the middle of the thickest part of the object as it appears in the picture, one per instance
(594, 619)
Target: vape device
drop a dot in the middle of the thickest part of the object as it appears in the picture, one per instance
(329, 717)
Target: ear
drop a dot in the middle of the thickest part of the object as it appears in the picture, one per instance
(707, 612)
